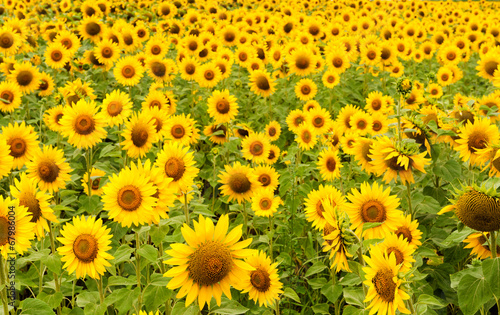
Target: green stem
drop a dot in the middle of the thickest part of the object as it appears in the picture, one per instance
(245, 219)
(186, 210)
(3, 278)
(277, 307)
(73, 294)
(138, 270)
(399, 119)
(53, 247)
(271, 234)
(493, 247)
(101, 291)
(409, 198)
(89, 171)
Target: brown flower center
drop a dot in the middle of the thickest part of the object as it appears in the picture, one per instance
(107, 52)
(139, 136)
(265, 203)
(193, 46)
(264, 179)
(190, 69)
(48, 171)
(175, 168)
(24, 77)
(114, 108)
(85, 248)
(7, 96)
(156, 50)
(243, 56)
(210, 263)
(256, 148)
(302, 62)
(158, 69)
(4, 231)
(239, 183)
(399, 255)
(384, 284)
(403, 230)
(331, 164)
(30, 202)
(209, 75)
(95, 184)
(373, 211)
(129, 198)
(260, 279)
(306, 136)
(222, 106)
(92, 28)
(178, 131)
(84, 125)
(451, 56)
(128, 71)
(262, 83)
(477, 141)
(272, 131)
(371, 55)
(318, 121)
(56, 55)
(305, 89)
(376, 104)
(17, 147)
(490, 67)
(6, 40)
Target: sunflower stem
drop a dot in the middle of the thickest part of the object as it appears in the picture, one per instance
(271, 234)
(186, 210)
(277, 307)
(245, 219)
(53, 247)
(3, 278)
(138, 269)
(493, 246)
(101, 291)
(399, 119)
(409, 198)
(89, 165)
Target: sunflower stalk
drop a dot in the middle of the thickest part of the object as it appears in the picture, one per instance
(493, 247)
(89, 168)
(186, 210)
(409, 199)
(245, 219)
(56, 277)
(3, 279)
(101, 291)
(271, 235)
(400, 137)
(138, 269)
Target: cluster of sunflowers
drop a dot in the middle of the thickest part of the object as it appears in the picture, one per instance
(122, 120)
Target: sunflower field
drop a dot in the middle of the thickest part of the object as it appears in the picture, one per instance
(267, 157)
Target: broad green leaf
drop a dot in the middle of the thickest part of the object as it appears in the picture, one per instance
(350, 279)
(53, 262)
(317, 283)
(35, 306)
(116, 280)
(158, 279)
(332, 292)
(155, 296)
(95, 309)
(351, 310)
(85, 298)
(354, 296)
(180, 309)
(432, 301)
(290, 293)
(317, 267)
(472, 294)
(149, 252)
(229, 307)
(122, 299)
(370, 225)
(455, 238)
(122, 254)
(491, 271)
(321, 308)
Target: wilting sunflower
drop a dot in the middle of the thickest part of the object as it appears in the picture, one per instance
(238, 182)
(477, 208)
(23, 142)
(26, 76)
(408, 229)
(128, 71)
(315, 204)
(261, 83)
(10, 41)
(255, 147)
(373, 204)
(83, 125)
(329, 164)
(383, 283)
(10, 96)
(210, 263)
(129, 198)
(222, 106)
(393, 160)
(306, 136)
(262, 284)
(24, 228)
(116, 107)
(335, 238)
(475, 136)
(86, 242)
(177, 162)
(264, 203)
(480, 245)
(139, 135)
(306, 89)
(49, 169)
(180, 128)
(96, 176)
(402, 250)
(36, 202)
(56, 55)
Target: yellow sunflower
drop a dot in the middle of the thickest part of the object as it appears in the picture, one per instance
(139, 135)
(255, 147)
(86, 242)
(295, 119)
(264, 203)
(128, 71)
(52, 117)
(302, 61)
(180, 128)
(382, 279)
(107, 52)
(47, 85)
(330, 79)
(83, 125)
(209, 75)
(408, 229)
(238, 182)
(402, 250)
(155, 99)
(217, 133)
(129, 198)
(49, 169)
(56, 55)
(480, 245)
(344, 117)
(189, 67)
(361, 150)
(23, 142)
(306, 89)
(96, 176)
(475, 136)
(177, 162)
(69, 40)
(210, 263)
(6, 160)
(373, 204)
(267, 176)
(222, 106)
(10, 41)
(26, 76)
(335, 239)
(161, 70)
(488, 63)
(24, 228)
(375, 103)
(315, 204)
(274, 153)
(261, 83)
(10, 96)
(116, 108)
(329, 164)
(262, 284)
(306, 136)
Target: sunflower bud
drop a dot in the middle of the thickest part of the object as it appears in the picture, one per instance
(404, 86)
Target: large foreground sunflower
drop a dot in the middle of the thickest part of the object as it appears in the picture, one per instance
(85, 246)
(23, 233)
(210, 263)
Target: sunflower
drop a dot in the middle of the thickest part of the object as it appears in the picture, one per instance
(375, 103)
(161, 70)
(264, 203)
(480, 245)
(435, 90)
(302, 61)
(156, 46)
(402, 250)
(475, 136)
(96, 176)
(10, 96)
(306, 136)
(361, 122)
(361, 150)
(189, 68)
(444, 76)
(488, 63)
(238, 182)
(139, 135)
(208, 76)
(337, 60)
(91, 28)
(262, 284)
(371, 55)
(209, 264)
(295, 119)
(76, 90)
(330, 79)
(69, 40)
(273, 130)
(128, 71)
(179, 128)
(334, 238)
(49, 169)
(155, 99)
(52, 117)
(222, 106)
(267, 177)
(261, 83)
(383, 283)
(344, 116)
(449, 55)
(56, 55)
(46, 86)
(116, 107)
(394, 160)
(315, 204)
(26, 76)
(408, 230)
(329, 164)
(106, 52)
(22, 141)
(373, 204)
(24, 228)
(86, 242)
(217, 133)
(306, 89)
(6, 159)
(255, 147)
(10, 41)
(177, 162)
(83, 125)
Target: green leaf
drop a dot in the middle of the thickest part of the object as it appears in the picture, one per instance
(350, 279)
(290, 293)
(370, 225)
(122, 299)
(95, 309)
(149, 252)
(155, 296)
(351, 310)
(116, 280)
(455, 238)
(472, 294)
(229, 307)
(317, 283)
(53, 262)
(321, 308)
(85, 298)
(332, 292)
(122, 254)
(158, 233)
(491, 271)
(317, 267)
(35, 306)
(180, 309)
(354, 296)
(158, 279)
(432, 301)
